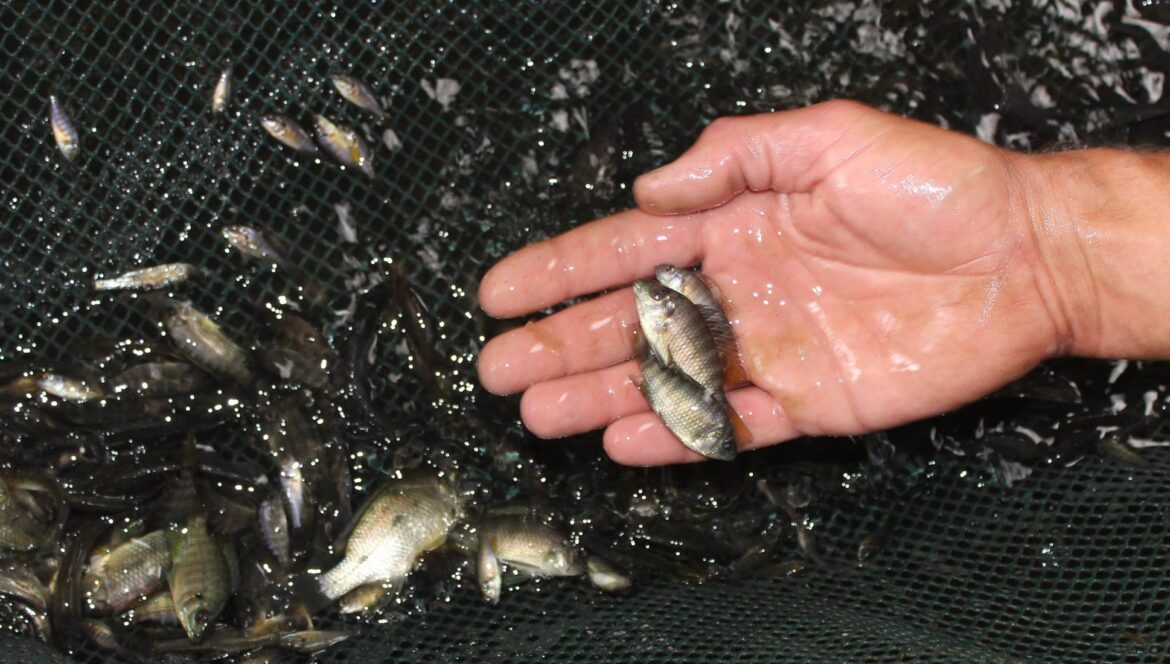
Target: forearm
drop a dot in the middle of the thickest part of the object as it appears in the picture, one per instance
(1100, 221)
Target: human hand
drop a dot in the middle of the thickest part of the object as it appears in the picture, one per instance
(876, 270)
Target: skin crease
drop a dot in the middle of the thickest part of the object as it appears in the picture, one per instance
(877, 270)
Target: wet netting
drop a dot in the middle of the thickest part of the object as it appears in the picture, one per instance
(1009, 531)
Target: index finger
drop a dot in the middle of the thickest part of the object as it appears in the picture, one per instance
(609, 252)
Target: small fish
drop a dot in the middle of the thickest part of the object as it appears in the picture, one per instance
(253, 242)
(201, 341)
(223, 91)
(63, 132)
(274, 528)
(691, 285)
(128, 573)
(677, 334)
(160, 379)
(369, 597)
(290, 133)
(701, 422)
(68, 387)
(202, 577)
(399, 523)
(487, 571)
(297, 451)
(357, 93)
(605, 577)
(148, 278)
(344, 145)
(1115, 448)
(311, 641)
(530, 546)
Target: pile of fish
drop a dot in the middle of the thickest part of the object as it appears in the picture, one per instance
(687, 353)
(122, 529)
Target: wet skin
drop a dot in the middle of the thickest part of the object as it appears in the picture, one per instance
(876, 271)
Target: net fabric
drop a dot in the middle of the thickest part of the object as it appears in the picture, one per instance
(557, 107)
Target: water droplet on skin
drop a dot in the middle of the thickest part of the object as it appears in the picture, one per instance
(597, 325)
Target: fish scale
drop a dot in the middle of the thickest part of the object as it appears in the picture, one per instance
(130, 572)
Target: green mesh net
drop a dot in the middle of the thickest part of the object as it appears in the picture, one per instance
(509, 122)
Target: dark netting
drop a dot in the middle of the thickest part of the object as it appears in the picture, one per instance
(510, 122)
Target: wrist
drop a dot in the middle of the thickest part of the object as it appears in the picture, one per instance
(1099, 222)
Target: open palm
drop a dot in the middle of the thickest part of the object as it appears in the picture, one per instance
(876, 271)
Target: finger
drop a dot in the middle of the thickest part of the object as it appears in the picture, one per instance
(583, 402)
(643, 440)
(602, 254)
(588, 336)
(786, 152)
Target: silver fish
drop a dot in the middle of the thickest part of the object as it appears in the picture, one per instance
(63, 132)
(530, 546)
(676, 332)
(274, 528)
(148, 278)
(691, 285)
(487, 571)
(689, 410)
(604, 576)
(223, 91)
(69, 388)
(289, 132)
(357, 93)
(398, 524)
(253, 242)
(344, 145)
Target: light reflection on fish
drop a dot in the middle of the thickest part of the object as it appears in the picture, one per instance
(63, 131)
(343, 144)
(223, 91)
(148, 278)
(289, 132)
(357, 93)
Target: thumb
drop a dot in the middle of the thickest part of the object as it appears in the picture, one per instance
(787, 151)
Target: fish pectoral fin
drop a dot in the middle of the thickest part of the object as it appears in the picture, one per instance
(739, 430)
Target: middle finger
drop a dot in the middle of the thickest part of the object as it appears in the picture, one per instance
(585, 337)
